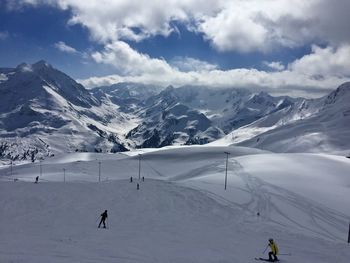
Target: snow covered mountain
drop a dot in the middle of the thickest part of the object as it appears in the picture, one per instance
(167, 120)
(128, 96)
(318, 125)
(44, 111)
(198, 115)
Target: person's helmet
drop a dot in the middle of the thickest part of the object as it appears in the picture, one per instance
(271, 240)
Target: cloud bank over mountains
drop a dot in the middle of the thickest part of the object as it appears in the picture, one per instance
(229, 26)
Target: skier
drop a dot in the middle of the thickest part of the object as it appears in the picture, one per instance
(274, 251)
(103, 219)
(137, 186)
(131, 179)
(143, 178)
(36, 179)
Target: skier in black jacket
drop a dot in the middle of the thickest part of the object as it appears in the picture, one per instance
(103, 219)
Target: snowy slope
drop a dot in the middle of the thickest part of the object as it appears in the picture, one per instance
(128, 96)
(319, 125)
(181, 207)
(227, 108)
(213, 111)
(44, 111)
(168, 121)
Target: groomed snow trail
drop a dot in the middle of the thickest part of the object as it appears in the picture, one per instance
(162, 222)
(181, 212)
(276, 202)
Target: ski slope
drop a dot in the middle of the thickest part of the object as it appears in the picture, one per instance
(181, 212)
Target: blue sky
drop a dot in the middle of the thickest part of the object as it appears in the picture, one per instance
(289, 47)
(31, 36)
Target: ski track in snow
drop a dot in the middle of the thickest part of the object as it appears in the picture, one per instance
(182, 215)
(162, 222)
(269, 200)
(263, 195)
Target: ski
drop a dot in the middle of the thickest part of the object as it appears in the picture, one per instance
(265, 259)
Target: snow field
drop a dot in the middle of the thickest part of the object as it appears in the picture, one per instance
(181, 212)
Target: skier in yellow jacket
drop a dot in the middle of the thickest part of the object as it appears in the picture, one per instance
(274, 251)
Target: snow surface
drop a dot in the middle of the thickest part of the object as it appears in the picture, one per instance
(181, 212)
(319, 125)
(47, 112)
(44, 112)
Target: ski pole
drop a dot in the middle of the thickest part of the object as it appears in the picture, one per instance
(265, 249)
(97, 220)
(285, 254)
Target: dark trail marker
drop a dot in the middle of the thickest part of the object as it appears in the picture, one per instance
(349, 234)
(138, 186)
(99, 171)
(139, 166)
(227, 153)
(41, 169)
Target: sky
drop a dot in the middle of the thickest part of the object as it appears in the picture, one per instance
(293, 47)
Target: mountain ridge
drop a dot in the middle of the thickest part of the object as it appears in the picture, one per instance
(44, 106)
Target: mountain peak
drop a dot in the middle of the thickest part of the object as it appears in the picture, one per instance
(24, 67)
(31, 79)
(264, 94)
(169, 88)
(344, 87)
(341, 92)
(40, 65)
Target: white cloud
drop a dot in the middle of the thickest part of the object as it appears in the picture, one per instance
(231, 25)
(65, 48)
(308, 76)
(255, 25)
(233, 28)
(132, 20)
(191, 64)
(324, 62)
(129, 61)
(275, 65)
(284, 82)
(262, 25)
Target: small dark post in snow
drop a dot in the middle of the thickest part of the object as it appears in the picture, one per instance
(138, 186)
(64, 175)
(227, 154)
(41, 171)
(11, 167)
(349, 234)
(99, 171)
(139, 166)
